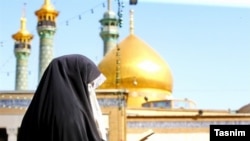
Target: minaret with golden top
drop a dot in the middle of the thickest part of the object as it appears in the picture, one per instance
(22, 51)
(109, 30)
(46, 28)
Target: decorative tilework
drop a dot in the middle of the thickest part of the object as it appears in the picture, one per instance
(21, 74)
(46, 56)
(12, 103)
(180, 124)
(104, 102)
(46, 49)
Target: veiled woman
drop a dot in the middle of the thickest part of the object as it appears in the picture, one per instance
(64, 106)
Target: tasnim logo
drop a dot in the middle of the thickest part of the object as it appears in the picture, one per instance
(224, 132)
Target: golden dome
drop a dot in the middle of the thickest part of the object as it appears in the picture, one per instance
(142, 71)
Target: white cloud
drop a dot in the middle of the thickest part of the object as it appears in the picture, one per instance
(226, 3)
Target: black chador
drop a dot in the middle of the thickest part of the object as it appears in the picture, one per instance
(64, 106)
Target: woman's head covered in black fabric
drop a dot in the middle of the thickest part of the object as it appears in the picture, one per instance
(61, 109)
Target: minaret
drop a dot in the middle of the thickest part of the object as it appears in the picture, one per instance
(46, 28)
(109, 30)
(22, 51)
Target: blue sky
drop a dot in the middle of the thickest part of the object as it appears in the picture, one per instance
(206, 43)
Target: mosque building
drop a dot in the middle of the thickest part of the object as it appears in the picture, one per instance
(136, 99)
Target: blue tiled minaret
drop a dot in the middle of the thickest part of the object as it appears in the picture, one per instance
(22, 51)
(46, 28)
(109, 30)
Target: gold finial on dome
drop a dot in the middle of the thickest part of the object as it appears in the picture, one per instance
(23, 25)
(47, 2)
(47, 12)
(47, 5)
(23, 20)
(23, 33)
(131, 27)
